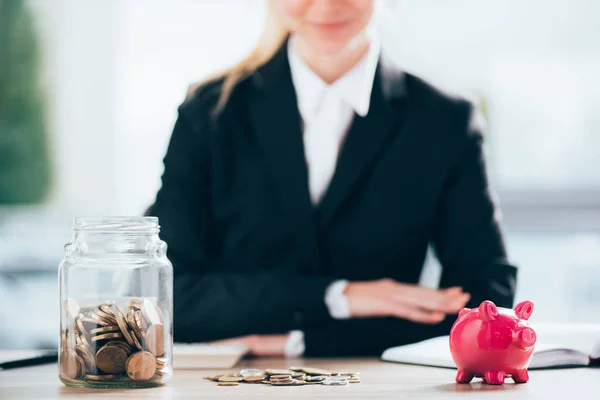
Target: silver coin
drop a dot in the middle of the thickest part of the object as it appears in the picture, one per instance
(315, 378)
(328, 382)
(251, 372)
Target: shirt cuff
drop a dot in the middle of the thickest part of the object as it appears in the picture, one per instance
(294, 347)
(336, 300)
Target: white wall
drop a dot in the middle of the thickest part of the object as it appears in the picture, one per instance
(118, 69)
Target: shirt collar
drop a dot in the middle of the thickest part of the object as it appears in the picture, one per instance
(354, 87)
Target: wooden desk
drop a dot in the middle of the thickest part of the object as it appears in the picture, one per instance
(379, 381)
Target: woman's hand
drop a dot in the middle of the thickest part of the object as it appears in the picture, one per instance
(388, 298)
(260, 345)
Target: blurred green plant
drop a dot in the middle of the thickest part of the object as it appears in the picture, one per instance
(24, 159)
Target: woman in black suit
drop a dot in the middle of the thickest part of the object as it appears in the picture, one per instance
(303, 186)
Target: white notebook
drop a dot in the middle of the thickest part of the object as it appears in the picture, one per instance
(557, 346)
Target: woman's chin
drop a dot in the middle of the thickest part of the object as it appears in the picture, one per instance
(331, 48)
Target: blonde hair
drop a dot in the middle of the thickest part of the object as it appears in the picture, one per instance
(271, 39)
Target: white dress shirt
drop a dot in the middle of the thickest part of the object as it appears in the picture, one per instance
(327, 112)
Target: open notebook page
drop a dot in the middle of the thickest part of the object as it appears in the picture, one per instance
(557, 345)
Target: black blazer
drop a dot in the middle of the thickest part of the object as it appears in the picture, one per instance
(252, 255)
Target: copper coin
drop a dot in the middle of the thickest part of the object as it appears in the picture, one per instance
(105, 329)
(87, 357)
(123, 324)
(111, 359)
(108, 308)
(139, 320)
(80, 327)
(154, 339)
(137, 330)
(69, 339)
(71, 365)
(116, 335)
(122, 345)
(98, 319)
(254, 378)
(279, 377)
(105, 316)
(141, 366)
(161, 361)
(136, 342)
(134, 304)
(81, 340)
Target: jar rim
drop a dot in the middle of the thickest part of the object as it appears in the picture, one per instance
(116, 224)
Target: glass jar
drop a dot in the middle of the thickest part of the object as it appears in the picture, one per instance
(116, 297)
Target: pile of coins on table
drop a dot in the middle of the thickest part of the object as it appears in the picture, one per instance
(293, 376)
(107, 343)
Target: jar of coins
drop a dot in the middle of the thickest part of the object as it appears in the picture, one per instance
(116, 295)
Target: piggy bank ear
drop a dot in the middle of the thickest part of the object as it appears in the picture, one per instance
(524, 309)
(487, 311)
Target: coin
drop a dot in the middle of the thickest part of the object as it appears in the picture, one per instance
(71, 365)
(335, 381)
(123, 325)
(345, 373)
(296, 369)
(87, 357)
(80, 327)
(288, 382)
(298, 375)
(98, 319)
(161, 361)
(278, 372)
(133, 325)
(214, 378)
(90, 323)
(139, 320)
(279, 377)
(111, 359)
(105, 336)
(104, 329)
(254, 378)
(315, 378)
(230, 378)
(162, 371)
(141, 366)
(316, 371)
(253, 372)
(108, 309)
(154, 339)
(134, 304)
(228, 383)
(105, 316)
(122, 345)
(136, 342)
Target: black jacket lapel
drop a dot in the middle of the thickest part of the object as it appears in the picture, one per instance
(367, 137)
(276, 123)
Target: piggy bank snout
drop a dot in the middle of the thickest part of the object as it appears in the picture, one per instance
(524, 338)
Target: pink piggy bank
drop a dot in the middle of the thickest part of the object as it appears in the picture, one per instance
(492, 342)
